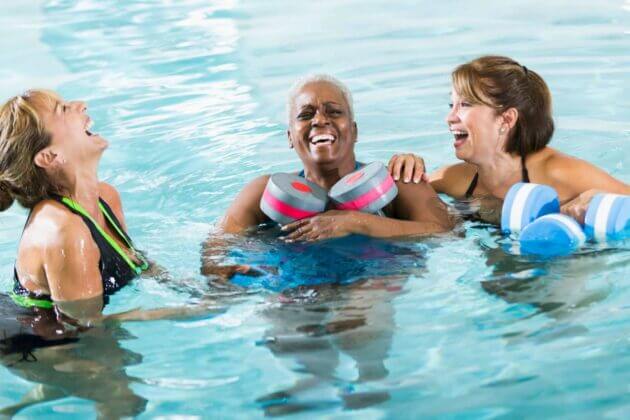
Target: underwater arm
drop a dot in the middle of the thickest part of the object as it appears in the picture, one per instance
(243, 213)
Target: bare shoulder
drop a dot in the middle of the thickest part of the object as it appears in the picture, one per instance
(245, 210)
(571, 176)
(109, 194)
(54, 231)
(51, 222)
(258, 184)
(453, 179)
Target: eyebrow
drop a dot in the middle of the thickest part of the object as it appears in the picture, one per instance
(325, 103)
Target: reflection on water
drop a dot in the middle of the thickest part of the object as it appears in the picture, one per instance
(63, 362)
(309, 337)
(191, 96)
(335, 299)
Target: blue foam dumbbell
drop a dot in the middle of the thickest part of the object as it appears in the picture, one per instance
(608, 217)
(526, 202)
(533, 211)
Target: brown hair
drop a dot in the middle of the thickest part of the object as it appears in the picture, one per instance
(502, 83)
(22, 136)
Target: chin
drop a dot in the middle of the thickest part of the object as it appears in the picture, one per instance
(102, 144)
(326, 160)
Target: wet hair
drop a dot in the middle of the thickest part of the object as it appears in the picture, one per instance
(317, 78)
(503, 83)
(22, 136)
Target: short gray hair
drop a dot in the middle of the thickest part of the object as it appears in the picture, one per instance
(316, 78)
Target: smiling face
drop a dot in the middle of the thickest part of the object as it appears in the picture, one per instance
(69, 126)
(479, 131)
(321, 127)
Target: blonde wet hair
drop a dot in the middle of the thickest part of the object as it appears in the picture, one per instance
(22, 136)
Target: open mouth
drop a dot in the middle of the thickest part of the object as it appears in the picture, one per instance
(460, 137)
(88, 128)
(323, 139)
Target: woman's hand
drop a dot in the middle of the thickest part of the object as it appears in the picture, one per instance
(226, 272)
(330, 224)
(408, 167)
(577, 207)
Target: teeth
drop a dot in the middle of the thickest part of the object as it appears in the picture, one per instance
(88, 127)
(459, 133)
(322, 137)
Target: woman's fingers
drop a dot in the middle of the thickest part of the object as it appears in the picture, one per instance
(290, 227)
(390, 165)
(575, 210)
(300, 233)
(419, 172)
(407, 167)
(396, 168)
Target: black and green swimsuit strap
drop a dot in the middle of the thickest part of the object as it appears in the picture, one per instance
(115, 266)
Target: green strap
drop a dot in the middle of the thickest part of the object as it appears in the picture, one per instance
(77, 207)
(145, 263)
(29, 302)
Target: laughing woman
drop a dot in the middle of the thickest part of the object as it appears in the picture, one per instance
(501, 122)
(74, 246)
(75, 250)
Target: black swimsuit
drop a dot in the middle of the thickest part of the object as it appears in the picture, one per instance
(473, 183)
(115, 271)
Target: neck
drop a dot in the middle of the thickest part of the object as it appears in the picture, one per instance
(326, 176)
(500, 172)
(82, 186)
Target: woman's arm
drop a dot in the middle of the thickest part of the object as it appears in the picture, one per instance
(243, 213)
(571, 177)
(577, 182)
(452, 180)
(70, 262)
(417, 210)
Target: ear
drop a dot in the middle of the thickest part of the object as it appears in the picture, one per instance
(355, 132)
(510, 117)
(46, 158)
(289, 138)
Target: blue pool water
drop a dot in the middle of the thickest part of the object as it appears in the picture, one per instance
(191, 95)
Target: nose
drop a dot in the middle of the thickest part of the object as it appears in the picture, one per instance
(80, 106)
(452, 117)
(320, 119)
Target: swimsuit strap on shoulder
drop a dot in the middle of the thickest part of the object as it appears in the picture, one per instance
(79, 209)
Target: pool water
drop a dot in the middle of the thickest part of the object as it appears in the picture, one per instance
(191, 95)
